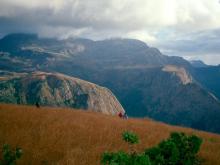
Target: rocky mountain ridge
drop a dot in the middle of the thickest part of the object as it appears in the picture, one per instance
(55, 89)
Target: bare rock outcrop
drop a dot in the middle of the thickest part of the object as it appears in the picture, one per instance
(55, 89)
(180, 72)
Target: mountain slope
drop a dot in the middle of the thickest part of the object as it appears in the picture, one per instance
(140, 76)
(58, 90)
(209, 77)
(198, 64)
(163, 96)
(39, 53)
(62, 136)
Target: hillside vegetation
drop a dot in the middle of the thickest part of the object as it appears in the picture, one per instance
(63, 136)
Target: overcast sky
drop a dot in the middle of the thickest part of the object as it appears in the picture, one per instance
(187, 28)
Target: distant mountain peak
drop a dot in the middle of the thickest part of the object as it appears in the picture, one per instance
(198, 63)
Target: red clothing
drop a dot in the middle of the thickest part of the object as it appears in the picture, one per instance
(120, 115)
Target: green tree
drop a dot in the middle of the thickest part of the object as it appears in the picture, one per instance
(123, 158)
(130, 137)
(179, 149)
(9, 156)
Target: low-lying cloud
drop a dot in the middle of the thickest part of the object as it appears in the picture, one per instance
(174, 26)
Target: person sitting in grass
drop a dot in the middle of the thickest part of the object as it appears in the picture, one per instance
(37, 105)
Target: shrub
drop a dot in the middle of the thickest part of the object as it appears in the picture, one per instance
(10, 156)
(166, 153)
(188, 147)
(111, 158)
(139, 159)
(123, 158)
(179, 149)
(130, 137)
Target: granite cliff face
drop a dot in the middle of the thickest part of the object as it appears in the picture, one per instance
(54, 89)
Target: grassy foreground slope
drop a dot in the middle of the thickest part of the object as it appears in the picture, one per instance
(60, 136)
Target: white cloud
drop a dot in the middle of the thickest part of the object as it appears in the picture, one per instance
(152, 21)
(142, 35)
(125, 14)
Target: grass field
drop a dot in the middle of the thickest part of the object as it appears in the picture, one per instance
(64, 136)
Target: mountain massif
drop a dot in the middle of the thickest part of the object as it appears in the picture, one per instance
(57, 90)
(146, 82)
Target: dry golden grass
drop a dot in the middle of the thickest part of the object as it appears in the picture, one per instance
(62, 136)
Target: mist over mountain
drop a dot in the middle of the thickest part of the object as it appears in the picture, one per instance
(146, 82)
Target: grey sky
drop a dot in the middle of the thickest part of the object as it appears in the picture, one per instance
(188, 28)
